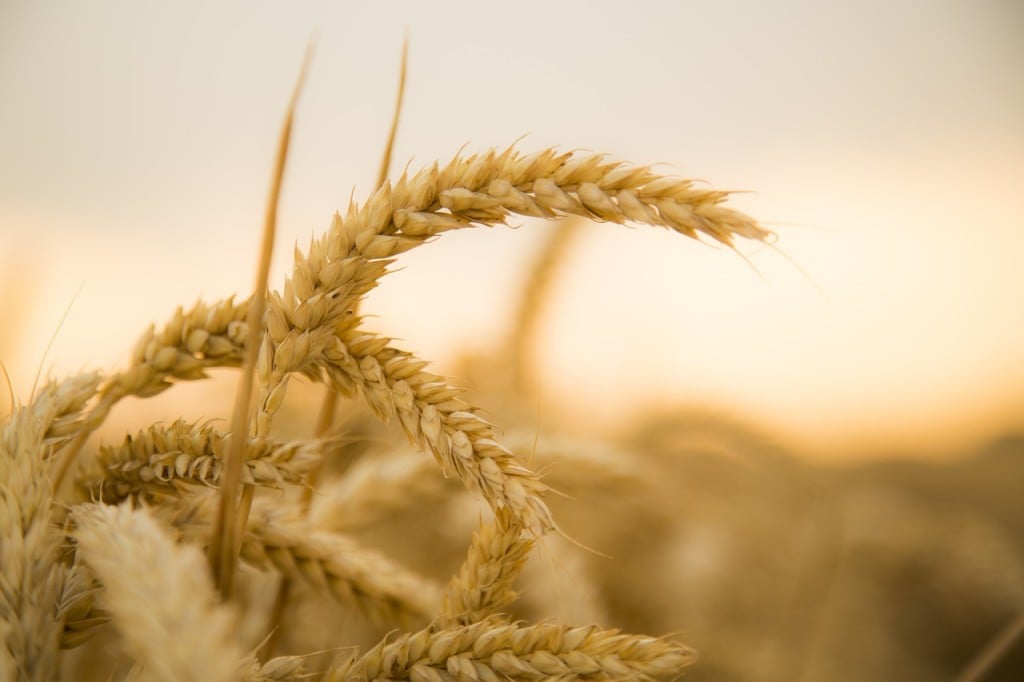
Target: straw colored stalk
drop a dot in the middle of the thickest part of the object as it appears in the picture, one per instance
(491, 650)
(484, 584)
(38, 590)
(158, 460)
(284, 540)
(326, 284)
(159, 596)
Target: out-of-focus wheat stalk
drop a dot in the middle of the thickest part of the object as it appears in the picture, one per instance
(533, 299)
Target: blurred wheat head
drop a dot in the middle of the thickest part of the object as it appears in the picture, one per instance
(188, 552)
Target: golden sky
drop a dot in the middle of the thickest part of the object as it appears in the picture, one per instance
(883, 141)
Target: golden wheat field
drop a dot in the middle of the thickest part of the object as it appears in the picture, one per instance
(701, 435)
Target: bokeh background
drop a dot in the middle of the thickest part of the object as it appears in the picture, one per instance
(883, 141)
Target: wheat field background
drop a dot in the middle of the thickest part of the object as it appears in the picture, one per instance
(803, 469)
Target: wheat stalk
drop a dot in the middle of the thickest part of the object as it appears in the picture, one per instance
(232, 513)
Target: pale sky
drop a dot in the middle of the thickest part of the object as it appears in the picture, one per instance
(883, 141)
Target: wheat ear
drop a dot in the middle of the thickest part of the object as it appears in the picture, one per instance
(491, 650)
(82, 618)
(159, 459)
(158, 594)
(484, 584)
(430, 411)
(37, 589)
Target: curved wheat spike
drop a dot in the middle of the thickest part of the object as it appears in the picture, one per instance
(316, 308)
(311, 326)
(491, 650)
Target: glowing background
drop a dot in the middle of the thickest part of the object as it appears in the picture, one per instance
(885, 143)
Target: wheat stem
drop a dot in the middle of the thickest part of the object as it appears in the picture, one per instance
(223, 547)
